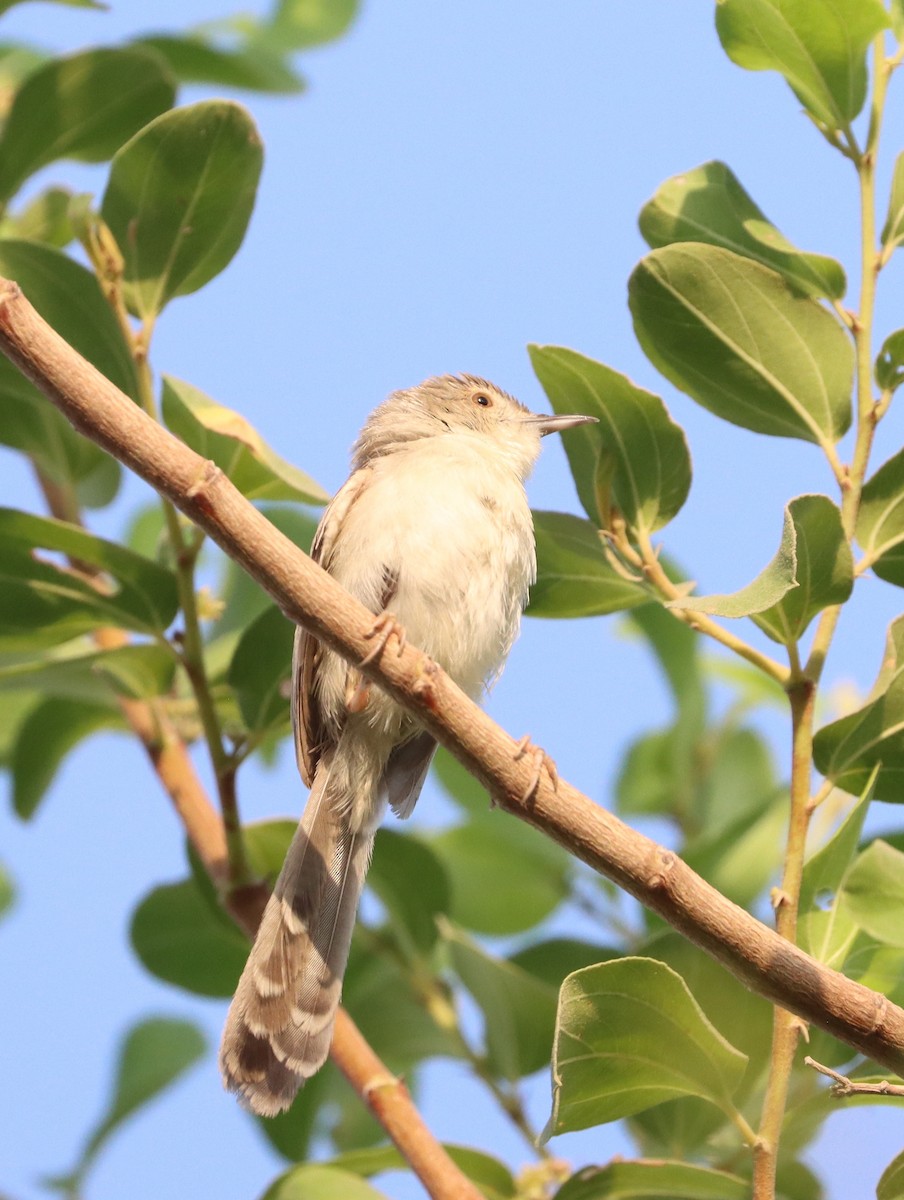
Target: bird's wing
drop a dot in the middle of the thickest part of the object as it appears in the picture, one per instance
(310, 730)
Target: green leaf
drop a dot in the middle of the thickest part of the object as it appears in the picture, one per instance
(736, 337)
(460, 785)
(43, 219)
(825, 870)
(298, 24)
(574, 577)
(774, 582)
(7, 891)
(182, 939)
(69, 298)
(819, 46)
(82, 107)
(880, 520)
(260, 670)
(708, 204)
(629, 1034)
(649, 1180)
(412, 884)
(233, 444)
(179, 199)
(47, 735)
(824, 569)
(194, 59)
(137, 671)
(889, 370)
(504, 877)
(518, 1009)
(152, 1057)
(848, 750)
(873, 892)
(42, 604)
(893, 230)
(492, 1177)
(896, 16)
(311, 1182)
(6, 5)
(554, 958)
(741, 858)
(891, 1183)
(636, 452)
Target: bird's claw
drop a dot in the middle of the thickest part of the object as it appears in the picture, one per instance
(383, 628)
(541, 761)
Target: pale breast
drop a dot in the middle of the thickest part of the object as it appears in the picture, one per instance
(455, 528)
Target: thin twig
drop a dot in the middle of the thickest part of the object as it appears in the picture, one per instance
(843, 1086)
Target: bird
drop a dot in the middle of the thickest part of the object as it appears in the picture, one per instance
(433, 533)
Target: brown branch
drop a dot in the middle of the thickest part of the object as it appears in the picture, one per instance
(755, 954)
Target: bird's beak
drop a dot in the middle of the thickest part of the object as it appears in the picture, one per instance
(556, 422)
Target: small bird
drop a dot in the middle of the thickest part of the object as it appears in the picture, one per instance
(432, 532)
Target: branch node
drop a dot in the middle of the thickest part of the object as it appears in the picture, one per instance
(207, 475)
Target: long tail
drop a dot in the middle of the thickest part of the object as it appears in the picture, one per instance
(280, 1023)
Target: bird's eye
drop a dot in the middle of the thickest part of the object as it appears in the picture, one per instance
(483, 401)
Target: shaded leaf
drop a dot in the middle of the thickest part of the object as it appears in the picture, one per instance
(880, 520)
(459, 784)
(734, 336)
(42, 604)
(677, 649)
(774, 582)
(708, 204)
(492, 1177)
(636, 452)
(574, 577)
(43, 219)
(7, 891)
(648, 1180)
(180, 938)
(312, 1182)
(46, 736)
(824, 570)
(518, 1009)
(260, 670)
(889, 368)
(891, 1183)
(873, 892)
(95, 676)
(83, 106)
(741, 858)
(411, 882)
(179, 199)
(848, 750)
(826, 868)
(298, 24)
(629, 1034)
(153, 1055)
(504, 877)
(194, 59)
(893, 230)
(551, 960)
(233, 444)
(819, 46)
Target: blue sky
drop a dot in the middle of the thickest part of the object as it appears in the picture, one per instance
(460, 179)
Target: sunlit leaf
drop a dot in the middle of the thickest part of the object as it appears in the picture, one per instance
(411, 882)
(84, 106)
(848, 750)
(574, 577)
(634, 459)
(891, 1183)
(7, 891)
(179, 199)
(629, 1034)
(889, 368)
(492, 1177)
(774, 582)
(824, 570)
(312, 1182)
(874, 892)
(225, 437)
(297, 24)
(819, 46)
(736, 337)
(880, 520)
(708, 204)
(893, 230)
(651, 1181)
(44, 219)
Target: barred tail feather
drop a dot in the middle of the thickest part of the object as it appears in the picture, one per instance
(280, 1024)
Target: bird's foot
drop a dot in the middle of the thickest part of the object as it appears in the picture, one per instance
(383, 629)
(541, 761)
